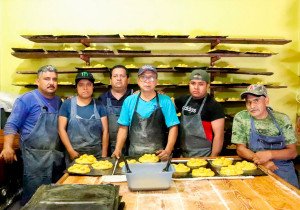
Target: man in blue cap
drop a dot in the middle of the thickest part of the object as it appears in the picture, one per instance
(146, 117)
(265, 136)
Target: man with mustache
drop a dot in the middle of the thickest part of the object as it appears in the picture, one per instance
(82, 122)
(202, 119)
(265, 136)
(34, 117)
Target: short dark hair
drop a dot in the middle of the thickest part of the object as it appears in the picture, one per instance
(118, 66)
(46, 68)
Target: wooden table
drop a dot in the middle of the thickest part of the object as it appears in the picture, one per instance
(262, 192)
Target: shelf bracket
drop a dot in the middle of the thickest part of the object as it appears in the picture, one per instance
(215, 43)
(85, 42)
(86, 59)
(214, 59)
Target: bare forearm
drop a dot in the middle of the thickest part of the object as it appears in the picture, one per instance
(8, 141)
(285, 154)
(244, 152)
(121, 137)
(173, 132)
(217, 146)
(65, 140)
(105, 142)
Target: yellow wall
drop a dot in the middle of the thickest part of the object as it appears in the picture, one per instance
(236, 18)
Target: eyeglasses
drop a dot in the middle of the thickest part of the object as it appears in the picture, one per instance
(149, 79)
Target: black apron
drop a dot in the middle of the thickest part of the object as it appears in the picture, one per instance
(42, 153)
(259, 142)
(147, 135)
(192, 136)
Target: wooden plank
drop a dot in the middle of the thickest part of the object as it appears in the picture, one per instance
(275, 193)
(198, 195)
(238, 195)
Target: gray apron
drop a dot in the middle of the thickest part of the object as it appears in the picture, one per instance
(85, 134)
(259, 142)
(42, 153)
(192, 135)
(147, 135)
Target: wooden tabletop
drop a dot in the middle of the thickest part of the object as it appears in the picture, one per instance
(261, 192)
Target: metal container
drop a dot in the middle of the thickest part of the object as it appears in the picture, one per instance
(149, 176)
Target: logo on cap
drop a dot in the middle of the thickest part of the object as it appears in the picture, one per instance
(84, 74)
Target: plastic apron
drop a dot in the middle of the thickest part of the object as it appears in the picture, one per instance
(42, 153)
(85, 134)
(147, 135)
(192, 136)
(260, 142)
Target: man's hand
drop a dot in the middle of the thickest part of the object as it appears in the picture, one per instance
(116, 153)
(163, 154)
(270, 165)
(262, 157)
(73, 154)
(8, 154)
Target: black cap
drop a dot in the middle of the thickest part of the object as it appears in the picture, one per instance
(84, 75)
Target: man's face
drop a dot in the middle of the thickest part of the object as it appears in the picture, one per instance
(257, 106)
(198, 88)
(85, 88)
(47, 83)
(119, 79)
(147, 81)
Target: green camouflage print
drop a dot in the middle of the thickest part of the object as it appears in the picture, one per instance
(241, 127)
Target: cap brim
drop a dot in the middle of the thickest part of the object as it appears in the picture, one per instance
(243, 95)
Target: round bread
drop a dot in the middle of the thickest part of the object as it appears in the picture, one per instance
(196, 163)
(102, 165)
(121, 164)
(181, 170)
(202, 172)
(219, 162)
(79, 169)
(246, 166)
(86, 159)
(149, 158)
(231, 170)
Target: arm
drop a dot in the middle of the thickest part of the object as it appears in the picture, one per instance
(290, 152)
(218, 131)
(8, 153)
(62, 125)
(105, 136)
(246, 153)
(121, 139)
(164, 154)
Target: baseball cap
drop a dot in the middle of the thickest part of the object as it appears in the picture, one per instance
(257, 90)
(199, 74)
(147, 68)
(84, 75)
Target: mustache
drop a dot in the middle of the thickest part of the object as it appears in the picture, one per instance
(51, 86)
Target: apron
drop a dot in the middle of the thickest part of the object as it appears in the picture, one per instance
(192, 135)
(260, 142)
(113, 113)
(42, 154)
(85, 134)
(147, 135)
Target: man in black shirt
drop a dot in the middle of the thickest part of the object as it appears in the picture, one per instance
(202, 119)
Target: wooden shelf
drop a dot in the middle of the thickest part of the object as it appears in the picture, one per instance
(32, 55)
(213, 40)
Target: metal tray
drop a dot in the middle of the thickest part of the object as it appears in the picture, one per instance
(257, 172)
(27, 50)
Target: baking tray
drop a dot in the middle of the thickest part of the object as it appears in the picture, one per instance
(224, 51)
(75, 196)
(257, 172)
(210, 36)
(27, 50)
(71, 36)
(62, 51)
(139, 36)
(222, 68)
(188, 68)
(134, 51)
(95, 172)
(103, 69)
(104, 36)
(98, 51)
(172, 36)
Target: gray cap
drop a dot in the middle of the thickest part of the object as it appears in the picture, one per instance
(257, 90)
(199, 74)
(147, 68)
